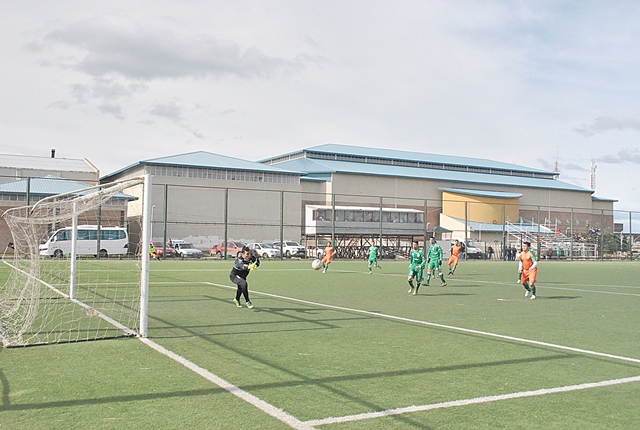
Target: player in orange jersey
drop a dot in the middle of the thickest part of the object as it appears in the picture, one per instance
(328, 257)
(528, 267)
(456, 250)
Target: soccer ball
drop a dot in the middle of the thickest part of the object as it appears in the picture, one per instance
(316, 264)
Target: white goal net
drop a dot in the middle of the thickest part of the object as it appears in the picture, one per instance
(77, 266)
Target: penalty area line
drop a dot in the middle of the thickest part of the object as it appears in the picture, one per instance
(268, 408)
(465, 402)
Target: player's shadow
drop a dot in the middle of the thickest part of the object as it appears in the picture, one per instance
(559, 297)
(434, 294)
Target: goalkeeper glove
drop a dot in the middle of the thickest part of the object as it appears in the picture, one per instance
(253, 266)
(439, 262)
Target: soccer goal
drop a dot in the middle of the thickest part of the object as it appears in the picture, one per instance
(78, 266)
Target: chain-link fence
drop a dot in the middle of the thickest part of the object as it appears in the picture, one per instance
(209, 217)
(206, 216)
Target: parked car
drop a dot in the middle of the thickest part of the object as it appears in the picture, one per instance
(471, 249)
(187, 250)
(314, 252)
(157, 244)
(291, 249)
(265, 250)
(234, 249)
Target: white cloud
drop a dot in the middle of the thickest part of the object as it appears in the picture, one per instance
(112, 109)
(107, 47)
(628, 155)
(169, 111)
(603, 124)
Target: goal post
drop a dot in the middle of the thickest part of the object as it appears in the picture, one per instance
(79, 266)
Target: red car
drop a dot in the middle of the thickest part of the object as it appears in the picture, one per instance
(234, 249)
(158, 245)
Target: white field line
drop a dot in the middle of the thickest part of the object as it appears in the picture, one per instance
(309, 425)
(550, 287)
(236, 391)
(465, 402)
(444, 326)
(547, 287)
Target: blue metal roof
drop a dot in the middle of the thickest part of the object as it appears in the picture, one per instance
(316, 167)
(602, 199)
(208, 160)
(49, 186)
(481, 193)
(390, 154)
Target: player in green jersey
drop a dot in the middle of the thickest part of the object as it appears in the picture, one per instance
(374, 252)
(434, 260)
(417, 262)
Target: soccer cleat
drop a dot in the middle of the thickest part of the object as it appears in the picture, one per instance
(250, 305)
(526, 293)
(518, 281)
(533, 297)
(410, 291)
(415, 293)
(450, 272)
(238, 305)
(444, 284)
(324, 271)
(380, 267)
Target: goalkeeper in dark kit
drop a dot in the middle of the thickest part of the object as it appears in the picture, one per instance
(248, 260)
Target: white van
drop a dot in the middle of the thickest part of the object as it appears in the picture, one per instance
(113, 241)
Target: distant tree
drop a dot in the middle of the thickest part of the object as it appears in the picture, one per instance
(611, 243)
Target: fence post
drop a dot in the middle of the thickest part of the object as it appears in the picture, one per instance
(466, 230)
(381, 223)
(571, 228)
(630, 239)
(281, 225)
(601, 237)
(333, 219)
(226, 222)
(504, 231)
(164, 222)
(426, 224)
(539, 244)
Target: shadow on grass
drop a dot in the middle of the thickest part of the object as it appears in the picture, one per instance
(425, 294)
(110, 400)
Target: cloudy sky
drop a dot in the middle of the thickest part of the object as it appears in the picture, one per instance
(526, 82)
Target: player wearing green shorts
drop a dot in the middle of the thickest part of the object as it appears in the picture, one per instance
(434, 259)
(417, 261)
(374, 252)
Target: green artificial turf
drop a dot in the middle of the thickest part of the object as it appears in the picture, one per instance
(346, 343)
